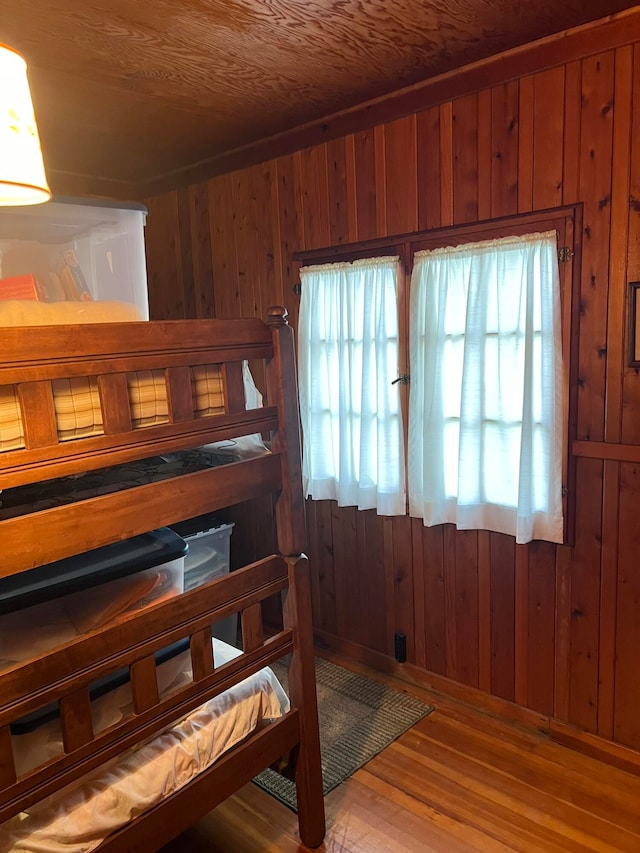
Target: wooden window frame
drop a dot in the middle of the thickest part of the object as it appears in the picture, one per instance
(567, 222)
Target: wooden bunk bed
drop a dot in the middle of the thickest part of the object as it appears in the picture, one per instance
(32, 361)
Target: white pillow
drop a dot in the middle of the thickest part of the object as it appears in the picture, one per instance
(245, 444)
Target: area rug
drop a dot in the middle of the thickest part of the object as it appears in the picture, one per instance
(358, 719)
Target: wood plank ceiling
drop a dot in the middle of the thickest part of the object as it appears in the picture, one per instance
(132, 92)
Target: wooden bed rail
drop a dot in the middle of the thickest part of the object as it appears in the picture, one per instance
(65, 675)
(32, 358)
(68, 529)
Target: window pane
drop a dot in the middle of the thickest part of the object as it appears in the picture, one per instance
(485, 412)
(348, 356)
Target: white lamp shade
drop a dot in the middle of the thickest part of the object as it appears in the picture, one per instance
(22, 177)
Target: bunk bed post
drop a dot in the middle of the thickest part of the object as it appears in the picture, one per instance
(282, 387)
(297, 614)
(302, 692)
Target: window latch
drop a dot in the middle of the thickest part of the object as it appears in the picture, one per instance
(403, 379)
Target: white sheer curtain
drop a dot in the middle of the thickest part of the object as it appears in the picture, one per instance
(486, 411)
(353, 444)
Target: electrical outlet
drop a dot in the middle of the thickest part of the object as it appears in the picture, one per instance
(400, 646)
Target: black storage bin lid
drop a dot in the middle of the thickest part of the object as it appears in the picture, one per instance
(198, 524)
(91, 568)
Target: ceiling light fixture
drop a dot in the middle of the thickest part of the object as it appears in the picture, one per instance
(22, 176)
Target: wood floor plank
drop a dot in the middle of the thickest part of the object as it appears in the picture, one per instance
(566, 785)
(438, 830)
(460, 781)
(486, 809)
(543, 797)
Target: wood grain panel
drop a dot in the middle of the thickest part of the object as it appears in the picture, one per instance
(428, 166)
(223, 240)
(616, 355)
(379, 611)
(485, 156)
(337, 191)
(595, 191)
(162, 247)
(548, 138)
(526, 124)
(348, 575)
(270, 292)
(446, 164)
(401, 194)
(484, 610)
(365, 179)
(465, 159)
(144, 684)
(325, 567)
(286, 237)
(627, 684)
(379, 138)
(362, 579)
(572, 133)
(115, 403)
(434, 587)
(521, 623)
(248, 262)
(608, 597)
(419, 600)
(630, 426)
(403, 583)
(584, 600)
(541, 606)
(203, 283)
(389, 582)
(314, 197)
(38, 414)
(504, 149)
(466, 568)
(341, 568)
(502, 593)
(185, 305)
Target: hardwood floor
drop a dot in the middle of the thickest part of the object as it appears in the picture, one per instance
(460, 781)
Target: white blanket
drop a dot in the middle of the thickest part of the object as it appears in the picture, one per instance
(79, 817)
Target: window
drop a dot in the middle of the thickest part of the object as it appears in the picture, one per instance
(489, 312)
(347, 361)
(485, 408)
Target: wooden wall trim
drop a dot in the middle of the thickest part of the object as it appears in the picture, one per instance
(407, 243)
(595, 746)
(570, 736)
(608, 33)
(91, 186)
(411, 674)
(607, 450)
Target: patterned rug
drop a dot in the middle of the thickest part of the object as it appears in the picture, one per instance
(358, 719)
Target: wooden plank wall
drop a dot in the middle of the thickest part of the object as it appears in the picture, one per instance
(553, 629)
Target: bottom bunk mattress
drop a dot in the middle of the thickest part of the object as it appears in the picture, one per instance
(79, 817)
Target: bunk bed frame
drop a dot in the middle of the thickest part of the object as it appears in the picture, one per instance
(30, 359)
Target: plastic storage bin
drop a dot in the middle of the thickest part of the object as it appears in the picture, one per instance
(158, 550)
(45, 607)
(74, 249)
(209, 544)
